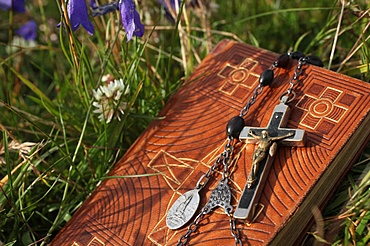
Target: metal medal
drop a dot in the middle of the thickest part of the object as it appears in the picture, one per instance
(183, 209)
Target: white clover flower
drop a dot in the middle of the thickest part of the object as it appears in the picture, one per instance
(18, 43)
(108, 102)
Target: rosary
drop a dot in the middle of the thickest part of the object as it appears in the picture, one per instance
(267, 139)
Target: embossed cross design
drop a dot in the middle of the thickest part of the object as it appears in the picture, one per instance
(238, 78)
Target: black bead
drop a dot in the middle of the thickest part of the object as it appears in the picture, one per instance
(235, 126)
(296, 55)
(266, 77)
(315, 60)
(282, 61)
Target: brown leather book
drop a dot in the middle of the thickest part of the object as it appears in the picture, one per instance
(176, 150)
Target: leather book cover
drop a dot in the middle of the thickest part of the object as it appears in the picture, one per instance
(176, 150)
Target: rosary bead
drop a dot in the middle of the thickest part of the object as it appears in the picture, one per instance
(282, 61)
(266, 77)
(296, 55)
(315, 60)
(235, 126)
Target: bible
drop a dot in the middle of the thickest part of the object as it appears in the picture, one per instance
(179, 148)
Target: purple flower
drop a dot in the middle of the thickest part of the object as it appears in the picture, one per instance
(19, 5)
(28, 30)
(130, 19)
(77, 12)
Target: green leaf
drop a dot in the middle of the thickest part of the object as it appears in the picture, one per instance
(46, 102)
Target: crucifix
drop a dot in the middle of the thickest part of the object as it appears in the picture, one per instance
(267, 138)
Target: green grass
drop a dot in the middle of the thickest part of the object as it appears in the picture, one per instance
(46, 98)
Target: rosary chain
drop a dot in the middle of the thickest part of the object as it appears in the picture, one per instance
(257, 91)
(289, 95)
(224, 157)
(226, 160)
(297, 73)
(191, 228)
(234, 231)
(203, 180)
(232, 130)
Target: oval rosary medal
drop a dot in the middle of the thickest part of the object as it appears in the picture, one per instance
(183, 209)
